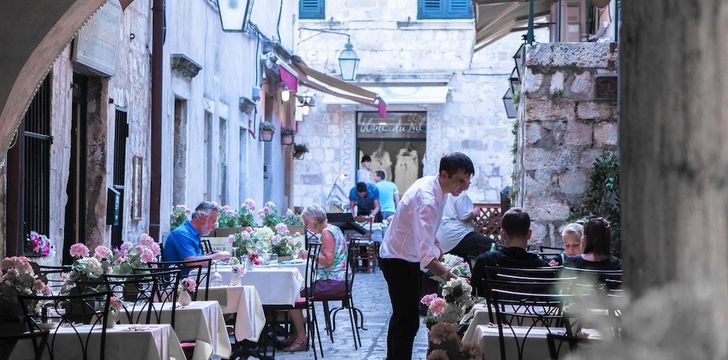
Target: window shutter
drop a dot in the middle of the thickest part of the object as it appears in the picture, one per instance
(445, 9)
(311, 9)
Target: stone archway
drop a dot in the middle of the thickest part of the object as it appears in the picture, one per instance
(35, 33)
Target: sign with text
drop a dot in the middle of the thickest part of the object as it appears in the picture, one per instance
(397, 125)
(95, 45)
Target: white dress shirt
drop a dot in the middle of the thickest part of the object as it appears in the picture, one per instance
(453, 229)
(411, 234)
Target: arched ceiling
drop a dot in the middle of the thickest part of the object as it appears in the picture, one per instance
(35, 32)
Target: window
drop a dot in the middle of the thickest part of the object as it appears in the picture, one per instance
(208, 158)
(311, 9)
(444, 9)
(222, 197)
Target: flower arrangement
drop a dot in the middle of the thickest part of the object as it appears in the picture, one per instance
(267, 126)
(285, 244)
(445, 344)
(457, 265)
(287, 131)
(17, 278)
(127, 256)
(292, 219)
(269, 214)
(38, 244)
(240, 241)
(246, 213)
(187, 285)
(238, 270)
(263, 235)
(254, 258)
(180, 214)
(227, 218)
(86, 272)
(450, 309)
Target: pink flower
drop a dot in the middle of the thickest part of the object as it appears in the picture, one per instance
(102, 252)
(245, 235)
(249, 204)
(147, 255)
(126, 246)
(231, 239)
(427, 299)
(38, 285)
(79, 250)
(239, 269)
(155, 248)
(438, 306)
(266, 209)
(146, 240)
(190, 285)
(116, 303)
(281, 228)
(12, 273)
(275, 239)
(291, 242)
(47, 290)
(120, 259)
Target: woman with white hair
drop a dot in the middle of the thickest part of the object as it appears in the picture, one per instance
(571, 237)
(331, 268)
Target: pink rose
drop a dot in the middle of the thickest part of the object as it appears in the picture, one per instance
(102, 252)
(275, 239)
(79, 250)
(438, 306)
(147, 255)
(427, 299)
(281, 228)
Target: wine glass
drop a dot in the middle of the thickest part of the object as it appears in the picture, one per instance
(250, 246)
(216, 276)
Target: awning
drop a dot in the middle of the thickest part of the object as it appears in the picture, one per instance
(321, 82)
(401, 95)
(496, 18)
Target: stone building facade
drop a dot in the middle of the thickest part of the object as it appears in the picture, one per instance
(564, 125)
(398, 50)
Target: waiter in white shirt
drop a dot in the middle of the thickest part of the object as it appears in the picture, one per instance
(410, 247)
(457, 234)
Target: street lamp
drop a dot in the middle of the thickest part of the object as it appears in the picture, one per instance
(514, 81)
(519, 58)
(305, 108)
(233, 14)
(511, 111)
(348, 62)
(285, 95)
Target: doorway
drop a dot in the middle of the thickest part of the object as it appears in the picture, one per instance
(121, 133)
(75, 219)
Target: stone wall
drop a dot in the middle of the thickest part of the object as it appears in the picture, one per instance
(563, 128)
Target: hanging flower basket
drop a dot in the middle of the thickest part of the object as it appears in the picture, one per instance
(299, 150)
(266, 131)
(287, 136)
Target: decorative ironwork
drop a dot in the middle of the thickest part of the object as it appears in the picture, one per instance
(488, 223)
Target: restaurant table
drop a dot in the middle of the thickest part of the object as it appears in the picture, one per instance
(201, 321)
(276, 285)
(245, 302)
(149, 342)
(226, 271)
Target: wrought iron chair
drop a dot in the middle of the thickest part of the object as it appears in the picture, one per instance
(37, 338)
(136, 292)
(365, 250)
(200, 270)
(206, 246)
(67, 310)
(53, 275)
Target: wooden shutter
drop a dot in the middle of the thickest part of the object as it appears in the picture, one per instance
(445, 9)
(311, 9)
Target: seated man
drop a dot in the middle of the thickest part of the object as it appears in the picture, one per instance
(183, 244)
(457, 234)
(366, 198)
(515, 230)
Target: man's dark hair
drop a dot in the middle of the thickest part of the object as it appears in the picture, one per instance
(381, 174)
(205, 208)
(361, 187)
(598, 237)
(455, 161)
(366, 158)
(516, 222)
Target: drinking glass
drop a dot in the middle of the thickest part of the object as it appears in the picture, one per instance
(250, 246)
(216, 276)
(265, 256)
(274, 258)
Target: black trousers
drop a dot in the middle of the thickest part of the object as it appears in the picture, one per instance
(404, 283)
(471, 246)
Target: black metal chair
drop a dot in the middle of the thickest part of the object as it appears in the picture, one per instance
(206, 246)
(53, 275)
(67, 311)
(200, 268)
(347, 302)
(136, 292)
(38, 339)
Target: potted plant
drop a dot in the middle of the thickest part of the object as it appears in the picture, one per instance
(287, 136)
(299, 150)
(266, 131)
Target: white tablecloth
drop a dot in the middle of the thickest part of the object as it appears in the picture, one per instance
(201, 321)
(226, 271)
(245, 302)
(149, 342)
(535, 347)
(277, 285)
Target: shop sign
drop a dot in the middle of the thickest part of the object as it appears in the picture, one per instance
(95, 46)
(408, 125)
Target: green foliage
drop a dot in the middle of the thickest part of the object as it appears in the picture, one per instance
(602, 197)
(178, 216)
(287, 131)
(267, 125)
(227, 217)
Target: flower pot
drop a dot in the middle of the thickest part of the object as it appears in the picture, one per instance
(285, 258)
(287, 139)
(112, 318)
(266, 135)
(234, 280)
(184, 298)
(299, 155)
(225, 232)
(297, 229)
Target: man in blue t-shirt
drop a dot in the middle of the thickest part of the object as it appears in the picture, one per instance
(366, 198)
(388, 194)
(183, 244)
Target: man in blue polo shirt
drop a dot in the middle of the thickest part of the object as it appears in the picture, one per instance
(183, 244)
(388, 194)
(366, 198)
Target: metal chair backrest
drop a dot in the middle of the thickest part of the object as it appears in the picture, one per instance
(206, 246)
(53, 276)
(311, 269)
(68, 311)
(165, 290)
(136, 293)
(200, 268)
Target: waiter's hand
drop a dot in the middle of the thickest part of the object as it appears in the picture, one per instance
(476, 212)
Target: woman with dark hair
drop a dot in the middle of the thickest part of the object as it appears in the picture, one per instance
(597, 246)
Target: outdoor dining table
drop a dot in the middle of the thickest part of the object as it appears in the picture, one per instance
(276, 285)
(201, 321)
(243, 301)
(149, 342)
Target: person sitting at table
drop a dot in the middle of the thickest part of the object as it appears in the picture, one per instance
(516, 231)
(366, 199)
(183, 244)
(597, 246)
(457, 234)
(331, 269)
(571, 237)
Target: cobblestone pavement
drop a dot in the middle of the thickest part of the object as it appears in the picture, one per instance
(371, 297)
